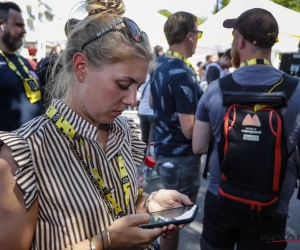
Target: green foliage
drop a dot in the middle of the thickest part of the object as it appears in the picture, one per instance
(220, 5)
(167, 13)
(291, 4)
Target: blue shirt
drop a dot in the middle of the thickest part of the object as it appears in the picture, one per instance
(15, 108)
(174, 90)
(210, 110)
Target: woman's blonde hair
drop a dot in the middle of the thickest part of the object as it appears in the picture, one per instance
(115, 46)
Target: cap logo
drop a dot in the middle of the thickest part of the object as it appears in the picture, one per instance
(271, 34)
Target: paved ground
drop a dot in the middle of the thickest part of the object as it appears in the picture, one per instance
(190, 235)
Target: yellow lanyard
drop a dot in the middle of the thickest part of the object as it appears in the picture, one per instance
(260, 62)
(179, 56)
(63, 125)
(255, 62)
(31, 84)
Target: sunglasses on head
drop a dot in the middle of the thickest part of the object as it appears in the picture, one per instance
(132, 28)
(199, 33)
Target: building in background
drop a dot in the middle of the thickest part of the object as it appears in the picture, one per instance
(36, 15)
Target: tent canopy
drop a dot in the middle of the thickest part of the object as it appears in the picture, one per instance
(216, 36)
(151, 22)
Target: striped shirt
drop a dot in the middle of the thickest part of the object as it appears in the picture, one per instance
(70, 207)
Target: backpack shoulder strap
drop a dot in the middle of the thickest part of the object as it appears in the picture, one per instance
(227, 83)
(288, 85)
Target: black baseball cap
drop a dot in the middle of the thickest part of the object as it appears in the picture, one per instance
(257, 26)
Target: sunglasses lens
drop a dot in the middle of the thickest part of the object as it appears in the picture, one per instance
(133, 29)
(200, 35)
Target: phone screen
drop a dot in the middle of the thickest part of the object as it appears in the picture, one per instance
(174, 216)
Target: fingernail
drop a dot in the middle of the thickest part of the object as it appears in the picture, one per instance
(192, 202)
(164, 236)
(172, 229)
(166, 230)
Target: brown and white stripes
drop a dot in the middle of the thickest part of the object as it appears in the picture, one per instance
(70, 208)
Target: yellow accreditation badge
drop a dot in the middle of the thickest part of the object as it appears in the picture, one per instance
(32, 89)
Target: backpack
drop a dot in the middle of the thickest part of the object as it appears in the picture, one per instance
(252, 151)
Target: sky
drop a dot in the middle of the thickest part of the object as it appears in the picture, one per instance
(200, 8)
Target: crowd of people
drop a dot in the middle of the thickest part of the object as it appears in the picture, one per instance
(68, 157)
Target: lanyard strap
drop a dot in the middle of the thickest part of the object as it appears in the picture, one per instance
(255, 62)
(30, 83)
(179, 56)
(266, 62)
(67, 129)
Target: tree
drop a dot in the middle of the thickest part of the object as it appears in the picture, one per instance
(290, 4)
(220, 5)
(167, 13)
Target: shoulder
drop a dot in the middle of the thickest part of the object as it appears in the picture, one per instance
(32, 127)
(16, 158)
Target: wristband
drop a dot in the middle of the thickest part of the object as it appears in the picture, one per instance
(108, 239)
(149, 198)
(92, 245)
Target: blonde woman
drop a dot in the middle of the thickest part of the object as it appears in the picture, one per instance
(68, 178)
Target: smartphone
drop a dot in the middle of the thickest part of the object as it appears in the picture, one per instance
(176, 216)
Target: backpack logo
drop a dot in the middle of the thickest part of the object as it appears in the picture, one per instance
(251, 132)
(251, 121)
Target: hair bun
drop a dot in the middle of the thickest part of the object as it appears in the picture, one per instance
(95, 7)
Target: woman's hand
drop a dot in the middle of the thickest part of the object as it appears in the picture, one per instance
(166, 199)
(125, 232)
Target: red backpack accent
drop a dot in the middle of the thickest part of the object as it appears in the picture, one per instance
(252, 152)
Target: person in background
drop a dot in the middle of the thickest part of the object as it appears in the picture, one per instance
(200, 72)
(219, 69)
(20, 95)
(158, 50)
(254, 33)
(69, 178)
(45, 66)
(32, 57)
(210, 59)
(175, 94)
(145, 112)
(57, 49)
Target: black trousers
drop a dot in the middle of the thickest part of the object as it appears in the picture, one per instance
(224, 228)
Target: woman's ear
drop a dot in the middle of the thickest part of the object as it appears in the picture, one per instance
(80, 66)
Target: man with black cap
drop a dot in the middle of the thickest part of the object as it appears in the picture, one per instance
(255, 32)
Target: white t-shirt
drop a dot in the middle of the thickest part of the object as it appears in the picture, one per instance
(144, 107)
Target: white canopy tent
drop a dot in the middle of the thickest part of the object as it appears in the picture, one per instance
(150, 22)
(215, 36)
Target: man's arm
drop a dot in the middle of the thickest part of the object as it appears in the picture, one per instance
(201, 137)
(187, 122)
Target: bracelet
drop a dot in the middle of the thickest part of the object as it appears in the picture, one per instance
(92, 245)
(108, 238)
(149, 198)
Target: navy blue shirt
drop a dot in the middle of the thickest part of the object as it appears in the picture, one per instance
(174, 90)
(15, 108)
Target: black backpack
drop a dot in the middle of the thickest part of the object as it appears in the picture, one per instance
(252, 151)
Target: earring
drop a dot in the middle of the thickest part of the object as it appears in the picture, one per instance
(81, 77)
